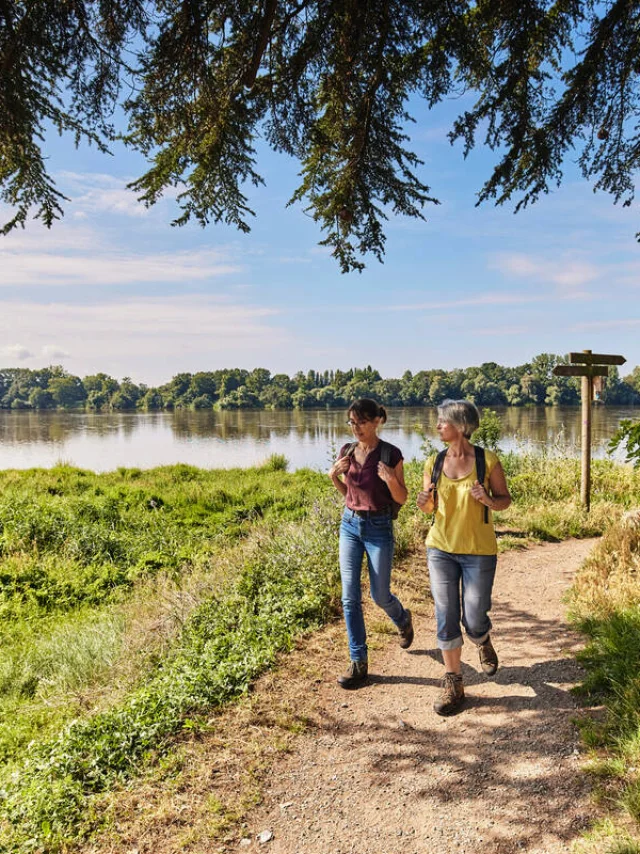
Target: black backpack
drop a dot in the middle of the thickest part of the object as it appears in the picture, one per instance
(385, 457)
(481, 471)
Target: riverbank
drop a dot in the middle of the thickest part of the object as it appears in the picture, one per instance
(136, 603)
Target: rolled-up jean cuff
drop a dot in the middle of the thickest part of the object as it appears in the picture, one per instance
(478, 641)
(451, 644)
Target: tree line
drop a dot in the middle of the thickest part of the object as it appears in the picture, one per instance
(489, 384)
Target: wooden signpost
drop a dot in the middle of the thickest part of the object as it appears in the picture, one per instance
(589, 365)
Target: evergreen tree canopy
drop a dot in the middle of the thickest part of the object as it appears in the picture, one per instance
(329, 82)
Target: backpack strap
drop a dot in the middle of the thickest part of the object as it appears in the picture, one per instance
(435, 475)
(385, 458)
(350, 449)
(481, 473)
(385, 452)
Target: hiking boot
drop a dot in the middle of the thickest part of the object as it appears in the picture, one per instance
(452, 698)
(355, 676)
(488, 657)
(406, 633)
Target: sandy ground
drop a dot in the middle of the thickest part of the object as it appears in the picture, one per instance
(380, 773)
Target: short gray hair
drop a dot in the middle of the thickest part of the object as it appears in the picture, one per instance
(462, 414)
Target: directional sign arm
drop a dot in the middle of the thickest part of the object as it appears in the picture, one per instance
(581, 370)
(596, 359)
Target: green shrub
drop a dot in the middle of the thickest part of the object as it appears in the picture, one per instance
(490, 430)
(276, 462)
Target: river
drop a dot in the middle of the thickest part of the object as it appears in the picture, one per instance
(102, 442)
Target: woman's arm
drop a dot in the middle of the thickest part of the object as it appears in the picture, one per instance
(340, 466)
(498, 497)
(425, 500)
(394, 478)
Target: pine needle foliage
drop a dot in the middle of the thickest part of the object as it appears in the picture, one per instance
(329, 82)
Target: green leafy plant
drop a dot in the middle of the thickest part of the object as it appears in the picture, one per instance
(628, 434)
(489, 432)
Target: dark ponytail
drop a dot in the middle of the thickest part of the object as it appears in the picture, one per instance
(367, 409)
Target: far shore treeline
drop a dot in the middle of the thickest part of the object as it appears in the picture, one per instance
(489, 384)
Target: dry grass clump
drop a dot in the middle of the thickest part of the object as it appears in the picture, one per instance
(609, 579)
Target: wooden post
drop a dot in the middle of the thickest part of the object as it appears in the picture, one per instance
(589, 365)
(585, 479)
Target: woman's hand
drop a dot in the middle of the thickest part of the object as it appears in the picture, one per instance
(340, 466)
(480, 494)
(386, 473)
(424, 500)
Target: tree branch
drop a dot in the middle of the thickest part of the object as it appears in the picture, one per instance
(251, 73)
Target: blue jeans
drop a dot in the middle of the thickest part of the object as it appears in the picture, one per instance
(461, 587)
(373, 536)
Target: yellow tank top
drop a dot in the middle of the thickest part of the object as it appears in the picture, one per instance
(459, 525)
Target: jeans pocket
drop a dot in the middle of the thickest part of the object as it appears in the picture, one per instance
(381, 523)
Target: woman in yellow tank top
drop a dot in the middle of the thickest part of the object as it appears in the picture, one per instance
(461, 546)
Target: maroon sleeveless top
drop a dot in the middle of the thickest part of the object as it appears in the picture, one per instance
(365, 489)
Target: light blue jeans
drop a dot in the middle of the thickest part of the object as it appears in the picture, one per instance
(373, 536)
(461, 587)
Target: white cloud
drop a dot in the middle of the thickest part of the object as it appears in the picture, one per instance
(566, 274)
(147, 338)
(17, 351)
(189, 315)
(119, 201)
(516, 264)
(77, 253)
(36, 238)
(51, 351)
(79, 180)
(489, 299)
(27, 265)
(626, 323)
(95, 192)
(496, 299)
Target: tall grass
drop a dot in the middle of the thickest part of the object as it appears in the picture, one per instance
(605, 606)
(546, 496)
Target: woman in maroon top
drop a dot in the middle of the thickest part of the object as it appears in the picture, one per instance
(370, 488)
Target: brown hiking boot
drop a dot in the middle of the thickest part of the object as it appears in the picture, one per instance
(488, 657)
(406, 633)
(355, 676)
(452, 698)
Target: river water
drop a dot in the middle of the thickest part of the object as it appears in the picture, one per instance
(102, 442)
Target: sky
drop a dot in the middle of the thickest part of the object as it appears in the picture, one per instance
(114, 287)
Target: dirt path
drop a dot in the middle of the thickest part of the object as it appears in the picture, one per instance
(380, 773)
(320, 770)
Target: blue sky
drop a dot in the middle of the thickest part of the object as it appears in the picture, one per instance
(113, 287)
